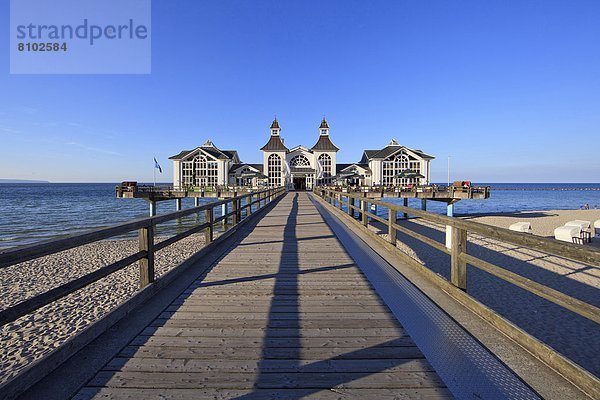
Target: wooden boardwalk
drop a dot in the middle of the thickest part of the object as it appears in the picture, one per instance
(285, 314)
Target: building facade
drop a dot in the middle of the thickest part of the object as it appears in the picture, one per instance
(300, 168)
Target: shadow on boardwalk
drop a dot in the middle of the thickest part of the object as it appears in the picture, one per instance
(285, 367)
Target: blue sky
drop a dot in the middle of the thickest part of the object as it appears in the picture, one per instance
(509, 89)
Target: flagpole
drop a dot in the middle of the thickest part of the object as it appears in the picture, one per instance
(154, 170)
(448, 170)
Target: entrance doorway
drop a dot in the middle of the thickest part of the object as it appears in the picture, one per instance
(300, 183)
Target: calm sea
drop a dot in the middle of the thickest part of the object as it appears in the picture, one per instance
(34, 212)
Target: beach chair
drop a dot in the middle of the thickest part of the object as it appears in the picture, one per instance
(586, 228)
(571, 234)
(521, 227)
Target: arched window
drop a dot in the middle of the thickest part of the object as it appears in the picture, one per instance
(200, 163)
(299, 161)
(402, 162)
(205, 171)
(274, 170)
(325, 161)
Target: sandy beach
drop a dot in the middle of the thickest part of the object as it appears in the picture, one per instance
(543, 223)
(31, 337)
(572, 335)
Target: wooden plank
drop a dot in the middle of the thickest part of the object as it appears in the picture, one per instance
(340, 393)
(317, 365)
(268, 352)
(274, 316)
(287, 342)
(238, 330)
(276, 308)
(407, 379)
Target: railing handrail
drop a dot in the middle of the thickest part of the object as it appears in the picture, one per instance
(16, 255)
(547, 245)
(456, 286)
(460, 257)
(145, 255)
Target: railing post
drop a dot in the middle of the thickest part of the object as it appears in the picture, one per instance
(340, 200)
(146, 243)
(249, 212)
(234, 211)
(350, 209)
(208, 232)
(458, 267)
(363, 207)
(391, 229)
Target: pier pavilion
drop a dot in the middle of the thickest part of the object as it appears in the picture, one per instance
(301, 167)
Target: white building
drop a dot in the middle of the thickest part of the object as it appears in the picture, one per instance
(301, 167)
(204, 166)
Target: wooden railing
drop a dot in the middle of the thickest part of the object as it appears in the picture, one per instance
(145, 255)
(460, 258)
(449, 190)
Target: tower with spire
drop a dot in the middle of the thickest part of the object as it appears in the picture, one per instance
(325, 152)
(274, 157)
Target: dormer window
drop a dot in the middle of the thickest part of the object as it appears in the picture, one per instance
(323, 131)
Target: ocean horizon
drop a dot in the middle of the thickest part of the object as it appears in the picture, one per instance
(33, 212)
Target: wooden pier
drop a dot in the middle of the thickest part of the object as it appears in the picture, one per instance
(446, 194)
(285, 314)
(298, 299)
(159, 193)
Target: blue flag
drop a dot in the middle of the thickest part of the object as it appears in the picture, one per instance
(156, 165)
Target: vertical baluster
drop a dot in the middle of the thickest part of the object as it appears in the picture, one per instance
(208, 232)
(458, 267)
(391, 229)
(146, 243)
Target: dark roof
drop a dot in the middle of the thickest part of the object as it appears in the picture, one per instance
(182, 154)
(324, 144)
(216, 153)
(341, 167)
(275, 124)
(230, 153)
(255, 166)
(274, 144)
(388, 151)
(324, 124)
(210, 149)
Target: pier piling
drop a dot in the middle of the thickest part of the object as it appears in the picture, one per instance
(450, 213)
(152, 208)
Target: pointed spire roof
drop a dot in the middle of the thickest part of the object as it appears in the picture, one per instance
(324, 144)
(274, 144)
(275, 124)
(324, 124)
